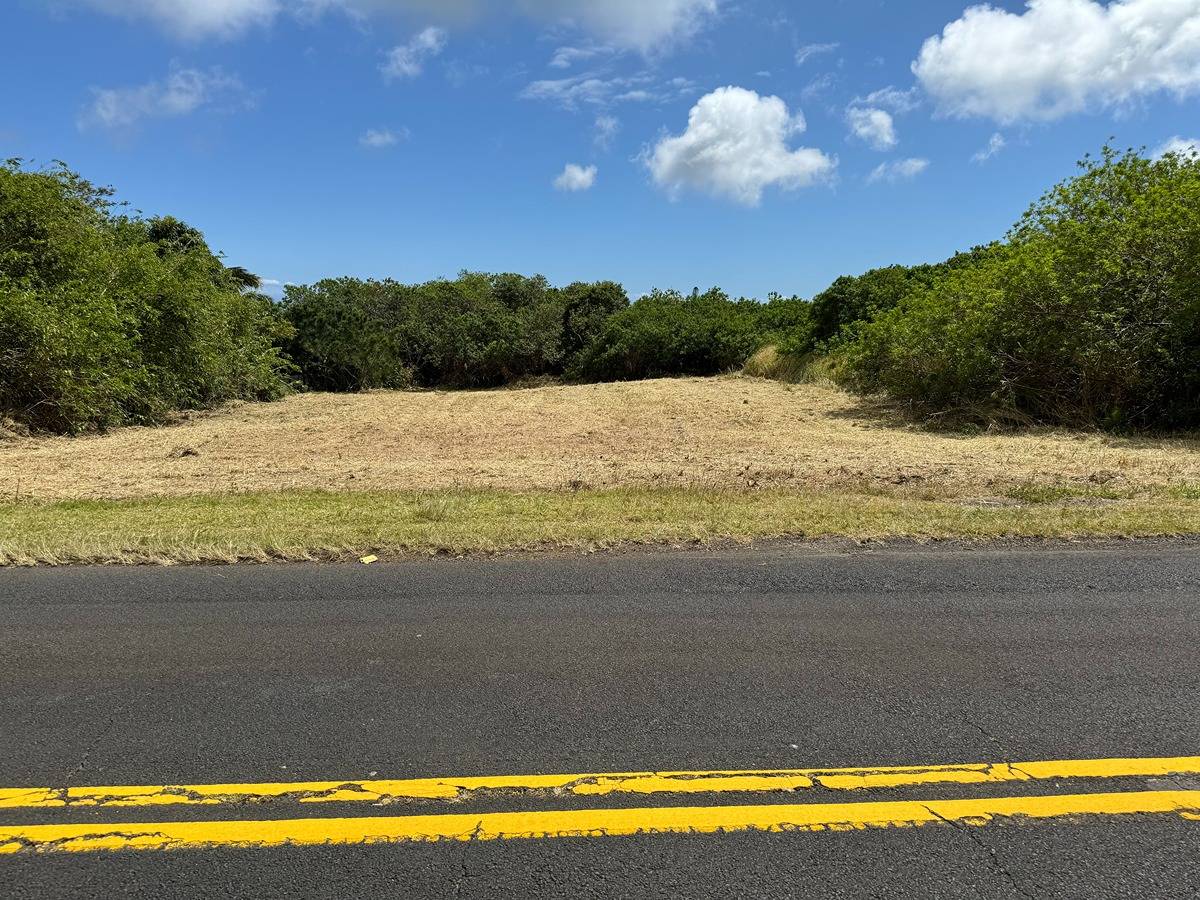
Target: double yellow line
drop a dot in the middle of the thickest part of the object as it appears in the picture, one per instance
(816, 816)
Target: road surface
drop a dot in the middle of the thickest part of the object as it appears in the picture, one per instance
(288, 731)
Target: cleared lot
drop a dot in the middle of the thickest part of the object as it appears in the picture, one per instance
(731, 432)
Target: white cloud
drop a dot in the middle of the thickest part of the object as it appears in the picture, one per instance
(194, 18)
(875, 126)
(575, 178)
(571, 92)
(634, 24)
(274, 287)
(381, 138)
(593, 89)
(183, 91)
(735, 146)
(808, 51)
(898, 170)
(643, 25)
(995, 144)
(606, 129)
(1180, 146)
(565, 57)
(1059, 57)
(818, 87)
(407, 60)
(893, 99)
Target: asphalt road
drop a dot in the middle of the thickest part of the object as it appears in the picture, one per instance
(781, 658)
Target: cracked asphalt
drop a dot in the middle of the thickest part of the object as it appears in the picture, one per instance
(782, 657)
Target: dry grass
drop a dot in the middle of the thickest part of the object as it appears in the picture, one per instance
(314, 525)
(710, 434)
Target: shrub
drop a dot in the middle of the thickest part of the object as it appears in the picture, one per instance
(339, 340)
(586, 309)
(107, 319)
(665, 334)
(853, 300)
(1090, 315)
(477, 330)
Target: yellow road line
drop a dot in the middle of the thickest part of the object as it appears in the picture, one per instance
(587, 823)
(382, 792)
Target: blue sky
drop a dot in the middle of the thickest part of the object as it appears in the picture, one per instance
(756, 145)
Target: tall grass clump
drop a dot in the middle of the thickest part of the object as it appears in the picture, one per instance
(791, 368)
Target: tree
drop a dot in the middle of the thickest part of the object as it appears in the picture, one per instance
(1088, 315)
(107, 319)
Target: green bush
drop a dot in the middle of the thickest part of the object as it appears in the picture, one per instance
(1089, 315)
(665, 333)
(477, 330)
(853, 300)
(107, 319)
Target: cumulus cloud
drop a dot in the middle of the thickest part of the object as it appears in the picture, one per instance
(408, 60)
(995, 144)
(874, 126)
(736, 146)
(1059, 57)
(183, 91)
(898, 170)
(1180, 146)
(381, 138)
(631, 24)
(575, 178)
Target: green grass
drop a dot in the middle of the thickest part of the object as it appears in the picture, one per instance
(315, 525)
(1056, 493)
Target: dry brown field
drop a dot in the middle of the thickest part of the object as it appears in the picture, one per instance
(732, 431)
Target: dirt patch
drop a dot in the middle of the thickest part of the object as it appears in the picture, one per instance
(721, 432)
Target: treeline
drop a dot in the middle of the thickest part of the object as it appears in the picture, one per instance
(482, 330)
(1087, 313)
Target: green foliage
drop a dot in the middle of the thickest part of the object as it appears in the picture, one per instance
(1090, 315)
(477, 330)
(107, 319)
(586, 308)
(338, 341)
(665, 333)
(853, 300)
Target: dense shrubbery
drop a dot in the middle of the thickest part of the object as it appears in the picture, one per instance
(107, 319)
(666, 333)
(1089, 315)
(853, 300)
(475, 331)
(482, 330)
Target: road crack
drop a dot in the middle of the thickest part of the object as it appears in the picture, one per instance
(970, 832)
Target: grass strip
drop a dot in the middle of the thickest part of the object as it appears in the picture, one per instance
(313, 525)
